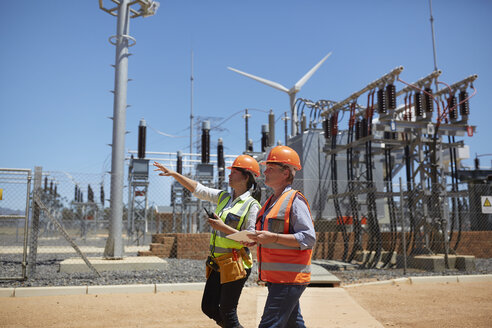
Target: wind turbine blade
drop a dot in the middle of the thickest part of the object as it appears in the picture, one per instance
(306, 77)
(272, 84)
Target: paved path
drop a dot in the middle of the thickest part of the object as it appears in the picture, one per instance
(327, 307)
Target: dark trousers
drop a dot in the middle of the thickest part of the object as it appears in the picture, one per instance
(282, 307)
(219, 301)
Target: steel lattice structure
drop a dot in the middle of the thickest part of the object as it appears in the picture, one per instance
(418, 138)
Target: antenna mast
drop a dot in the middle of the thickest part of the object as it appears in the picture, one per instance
(433, 36)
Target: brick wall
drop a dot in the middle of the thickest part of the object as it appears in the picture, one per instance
(181, 245)
(329, 245)
(192, 245)
(478, 243)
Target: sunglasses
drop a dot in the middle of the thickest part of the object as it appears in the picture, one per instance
(281, 166)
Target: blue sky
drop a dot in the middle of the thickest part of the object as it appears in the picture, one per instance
(56, 74)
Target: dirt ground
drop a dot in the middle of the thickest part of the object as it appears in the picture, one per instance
(426, 305)
(451, 305)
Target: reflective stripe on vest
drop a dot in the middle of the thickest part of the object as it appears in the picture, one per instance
(278, 246)
(241, 213)
(219, 250)
(286, 267)
(279, 263)
(220, 245)
(222, 202)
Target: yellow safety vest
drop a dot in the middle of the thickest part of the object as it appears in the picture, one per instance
(233, 217)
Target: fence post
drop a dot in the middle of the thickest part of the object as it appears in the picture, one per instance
(404, 238)
(33, 246)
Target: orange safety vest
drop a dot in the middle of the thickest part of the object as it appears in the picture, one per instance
(279, 263)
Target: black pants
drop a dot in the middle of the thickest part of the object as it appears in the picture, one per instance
(219, 301)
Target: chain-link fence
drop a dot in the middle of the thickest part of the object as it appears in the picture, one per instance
(63, 212)
(430, 227)
(371, 225)
(360, 225)
(15, 186)
(76, 201)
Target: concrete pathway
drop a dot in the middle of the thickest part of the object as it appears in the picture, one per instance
(326, 307)
(322, 277)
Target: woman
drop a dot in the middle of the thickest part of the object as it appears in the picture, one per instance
(235, 211)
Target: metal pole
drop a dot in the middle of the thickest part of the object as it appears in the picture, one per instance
(433, 36)
(191, 107)
(130, 219)
(403, 231)
(320, 207)
(146, 223)
(444, 205)
(293, 112)
(114, 243)
(26, 226)
(33, 247)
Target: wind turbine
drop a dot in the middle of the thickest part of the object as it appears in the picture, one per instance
(291, 92)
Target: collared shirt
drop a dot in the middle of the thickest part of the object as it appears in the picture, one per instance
(300, 222)
(212, 195)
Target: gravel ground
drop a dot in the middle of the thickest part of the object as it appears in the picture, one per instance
(178, 271)
(47, 273)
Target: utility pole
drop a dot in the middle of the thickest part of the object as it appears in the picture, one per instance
(123, 11)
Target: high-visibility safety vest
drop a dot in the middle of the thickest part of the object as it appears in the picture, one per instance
(233, 217)
(279, 263)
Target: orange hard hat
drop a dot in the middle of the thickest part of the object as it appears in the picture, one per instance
(248, 163)
(284, 155)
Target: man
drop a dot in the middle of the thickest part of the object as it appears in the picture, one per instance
(285, 236)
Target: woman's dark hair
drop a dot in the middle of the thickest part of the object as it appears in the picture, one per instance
(256, 193)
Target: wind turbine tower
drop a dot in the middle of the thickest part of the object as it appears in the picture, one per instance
(292, 92)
